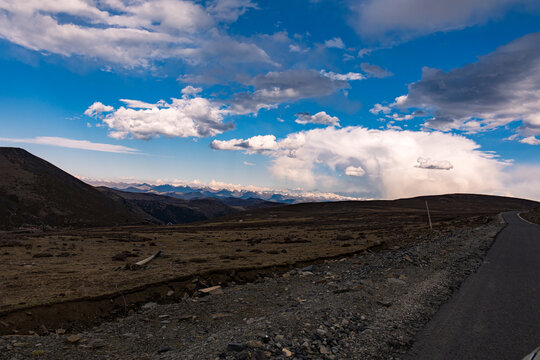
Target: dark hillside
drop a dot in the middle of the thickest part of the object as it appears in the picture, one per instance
(35, 192)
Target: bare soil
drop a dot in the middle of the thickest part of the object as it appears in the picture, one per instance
(82, 277)
(365, 306)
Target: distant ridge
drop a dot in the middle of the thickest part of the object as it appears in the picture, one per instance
(34, 192)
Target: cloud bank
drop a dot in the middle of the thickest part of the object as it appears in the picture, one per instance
(389, 20)
(498, 89)
(380, 163)
(128, 33)
(184, 117)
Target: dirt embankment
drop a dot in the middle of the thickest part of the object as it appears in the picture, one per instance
(368, 305)
(532, 215)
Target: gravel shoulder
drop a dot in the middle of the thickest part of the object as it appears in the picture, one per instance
(369, 305)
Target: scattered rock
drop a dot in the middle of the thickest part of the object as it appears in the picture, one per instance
(213, 290)
(286, 352)
(236, 346)
(396, 281)
(73, 339)
(254, 344)
(163, 350)
(149, 305)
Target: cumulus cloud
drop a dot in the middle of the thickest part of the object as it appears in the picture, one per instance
(397, 19)
(378, 108)
(255, 144)
(229, 10)
(343, 77)
(97, 108)
(319, 118)
(498, 89)
(375, 71)
(354, 171)
(531, 140)
(72, 144)
(129, 33)
(335, 43)
(274, 88)
(315, 158)
(185, 117)
(427, 163)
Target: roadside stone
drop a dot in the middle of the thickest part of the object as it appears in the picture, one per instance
(254, 344)
(396, 281)
(73, 339)
(236, 346)
(213, 290)
(287, 352)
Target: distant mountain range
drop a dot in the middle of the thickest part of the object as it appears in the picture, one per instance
(34, 192)
(188, 192)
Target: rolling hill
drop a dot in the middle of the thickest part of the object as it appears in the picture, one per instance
(35, 192)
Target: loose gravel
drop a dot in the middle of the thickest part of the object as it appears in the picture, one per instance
(368, 306)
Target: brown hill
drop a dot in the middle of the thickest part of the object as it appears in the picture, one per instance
(442, 208)
(35, 192)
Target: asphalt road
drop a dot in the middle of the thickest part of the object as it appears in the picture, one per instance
(496, 312)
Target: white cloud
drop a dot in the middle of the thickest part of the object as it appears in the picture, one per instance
(128, 33)
(397, 19)
(378, 108)
(343, 77)
(375, 71)
(73, 144)
(364, 52)
(191, 90)
(500, 88)
(230, 10)
(97, 108)
(427, 163)
(274, 88)
(319, 118)
(185, 117)
(315, 158)
(335, 43)
(531, 140)
(255, 144)
(247, 163)
(354, 171)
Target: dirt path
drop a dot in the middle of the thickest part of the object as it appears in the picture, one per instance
(365, 306)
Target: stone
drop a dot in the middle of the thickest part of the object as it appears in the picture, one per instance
(95, 344)
(236, 346)
(73, 339)
(286, 352)
(149, 305)
(164, 350)
(323, 350)
(213, 290)
(309, 268)
(220, 316)
(38, 352)
(254, 344)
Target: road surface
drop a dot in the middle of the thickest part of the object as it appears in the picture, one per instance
(496, 312)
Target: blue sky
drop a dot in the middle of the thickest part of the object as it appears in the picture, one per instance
(364, 98)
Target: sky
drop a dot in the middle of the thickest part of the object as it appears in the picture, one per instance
(361, 98)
